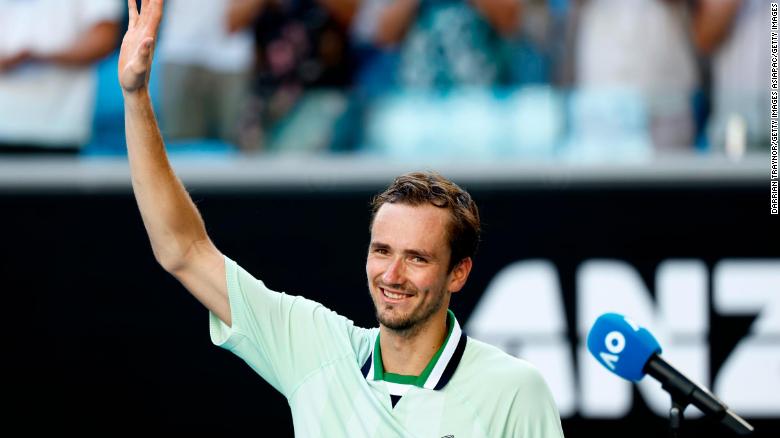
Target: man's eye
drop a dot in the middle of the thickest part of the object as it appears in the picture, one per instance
(382, 251)
(418, 259)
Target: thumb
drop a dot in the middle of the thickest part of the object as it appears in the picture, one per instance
(146, 47)
(143, 55)
(141, 62)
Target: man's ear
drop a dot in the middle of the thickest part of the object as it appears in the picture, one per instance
(459, 275)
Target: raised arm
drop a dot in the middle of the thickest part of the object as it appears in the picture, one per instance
(172, 221)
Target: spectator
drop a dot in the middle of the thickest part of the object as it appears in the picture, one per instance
(47, 81)
(641, 46)
(304, 68)
(733, 34)
(427, 71)
(440, 43)
(207, 54)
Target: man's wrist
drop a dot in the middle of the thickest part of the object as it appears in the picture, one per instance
(138, 96)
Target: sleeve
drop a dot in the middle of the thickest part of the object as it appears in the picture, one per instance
(283, 338)
(532, 408)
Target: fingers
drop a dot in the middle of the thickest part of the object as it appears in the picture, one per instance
(155, 15)
(151, 12)
(132, 12)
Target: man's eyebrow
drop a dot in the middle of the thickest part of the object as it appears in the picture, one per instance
(419, 252)
(378, 245)
(412, 252)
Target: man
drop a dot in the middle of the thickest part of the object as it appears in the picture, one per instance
(637, 90)
(732, 35)
(431, 53)
(416, 375)
(47, 81)
(207, 55)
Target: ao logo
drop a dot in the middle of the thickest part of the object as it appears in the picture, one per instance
(523, 312)
(615, 343)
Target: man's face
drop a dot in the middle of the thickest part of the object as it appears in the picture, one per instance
(407, 265)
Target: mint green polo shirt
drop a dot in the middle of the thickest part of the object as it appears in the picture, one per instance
(332, 375)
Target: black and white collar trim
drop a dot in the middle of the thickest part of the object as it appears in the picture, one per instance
(436, 374)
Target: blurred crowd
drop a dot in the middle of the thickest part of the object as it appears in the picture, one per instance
(572, 80)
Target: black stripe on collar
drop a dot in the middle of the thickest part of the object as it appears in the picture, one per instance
(452, 365)
(367, 366)
(449, 370)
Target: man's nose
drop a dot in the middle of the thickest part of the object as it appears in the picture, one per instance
(393, 275)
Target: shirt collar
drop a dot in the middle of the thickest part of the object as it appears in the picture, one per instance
(438, 371)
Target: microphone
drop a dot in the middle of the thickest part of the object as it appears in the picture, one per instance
(631, 351)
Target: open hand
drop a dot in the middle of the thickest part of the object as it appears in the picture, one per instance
(135, 56)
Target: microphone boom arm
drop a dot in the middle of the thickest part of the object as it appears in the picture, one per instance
(684, 392)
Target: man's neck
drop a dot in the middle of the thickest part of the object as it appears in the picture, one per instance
(409, 354)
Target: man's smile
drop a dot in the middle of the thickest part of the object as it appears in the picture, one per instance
(394, 296)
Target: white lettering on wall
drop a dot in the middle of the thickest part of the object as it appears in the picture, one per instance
(522, 312)
(749, 379)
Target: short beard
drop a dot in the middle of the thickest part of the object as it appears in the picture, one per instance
(410, 326)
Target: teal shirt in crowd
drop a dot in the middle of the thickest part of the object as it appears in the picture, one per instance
(332, 376)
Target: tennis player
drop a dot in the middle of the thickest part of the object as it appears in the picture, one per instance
(416, 375)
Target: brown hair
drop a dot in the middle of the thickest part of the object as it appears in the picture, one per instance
(417, 188)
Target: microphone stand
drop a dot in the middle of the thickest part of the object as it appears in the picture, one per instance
(676, 415)
(684, 392)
